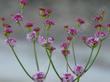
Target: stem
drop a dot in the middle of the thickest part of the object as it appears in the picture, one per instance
(20, 62)
(95, 57)
(47, 70)
(36, 56)
(74, 54)
(69, 66)
(78, 79)
(89, 58)
(53, 65)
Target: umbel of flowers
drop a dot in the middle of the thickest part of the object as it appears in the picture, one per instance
(33, 35)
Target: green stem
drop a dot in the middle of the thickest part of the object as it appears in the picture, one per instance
(74, 53)
(47, 70)
(20, 62)
(78, 79)
(36, 56)
(89, 58)
(69, 66)
(95, 56)
(53, 64)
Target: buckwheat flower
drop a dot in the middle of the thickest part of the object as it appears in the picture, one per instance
(108, 26)
(39, 77)
(29, 25)
(23, 2)
(65, 45)
(92, 41)
(72, 31)
(31, 36)
(49, 22)
(98, 27)
(44, 12)
(11, 41)
(5, 25)
(50, 40)
(80, 21)
(101, 35)
(17, 17)
(65, 52)
(68, 77)
(78, 69)
(98, 18)
(42, 40)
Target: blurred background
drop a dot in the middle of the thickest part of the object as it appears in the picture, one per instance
(64, 11)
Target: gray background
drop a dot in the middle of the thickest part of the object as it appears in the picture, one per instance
(65, 11)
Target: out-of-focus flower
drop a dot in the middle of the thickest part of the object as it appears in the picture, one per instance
(42, 40)
(23, 2)
(108, 26)
(65, 45)
(98, 27)
(65, 52)
(2, 19)
(49, 22)
(45, 13)
(80, 21)
(98, 18)
(92, 41)
(72, 31)
(11, 41)
(78, 69)
(31, 36)
(101, 35)
(17, 17)
(5, 25)
(29, 25)
(39, 77)
(67, 77)
(69, 38)
(50, 40)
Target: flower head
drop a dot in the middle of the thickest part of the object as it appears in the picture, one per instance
(98, 18)
(49, 22)
(98, 27)
(31, 36)
(78, 69)
(67, 77)
(17, 17)
(11, 41)
(42, 40)
(29, 25)
(39, 77)
(101, 35)
(92, 41)
(72, 31)
(65, 45)
(45, 12)
(80, 21)
(23, 2)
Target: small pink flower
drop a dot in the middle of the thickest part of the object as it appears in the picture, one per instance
(67, 77)
(79, 69)
(29, 25)
(44, 12)
(50, 40)
(5, 25)
(31, 35)
(72, 31)
(49, 22)
(98, 18)
(65, 52)
(42, 40)
(80, 21)
(92, 41)
(17, 17)
(65, 45)
(39, 77)
(11, 41)
(23, 2)
(8, 30)
(101, 35)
